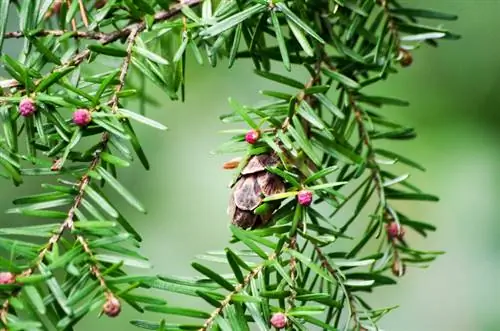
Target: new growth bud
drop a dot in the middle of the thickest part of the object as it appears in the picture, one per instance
(394, 230)
(305, 198)
(27, 107)
(405, 58)
(82, 117)
(7, 278)
(279, 320)
(112, 307)
(252, 136)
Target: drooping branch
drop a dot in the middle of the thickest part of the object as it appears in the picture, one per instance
(84, 181)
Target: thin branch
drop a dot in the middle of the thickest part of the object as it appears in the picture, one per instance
(86, 179)
(67, 224)
(365, 138)
(124, 69)
(372, 162)
(236, 290)
(57, 33)
(391, 23)
(328, 266)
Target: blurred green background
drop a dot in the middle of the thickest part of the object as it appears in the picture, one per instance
(454, 95)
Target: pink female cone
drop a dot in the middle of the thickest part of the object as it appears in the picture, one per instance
(27, 107)
(82, 117)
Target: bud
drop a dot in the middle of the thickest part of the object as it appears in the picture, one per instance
(112, 307)
(252, 136)
(394, 230)
(82, 117)
(405, 58)
(279, 320)
(7, 278)
(305, 198)
(27, 107)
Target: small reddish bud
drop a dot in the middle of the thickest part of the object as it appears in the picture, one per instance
(305, 198)
(82, 117)
(27, 107)
(112, 307)
(405, 58)
(7, 278)
(394, 230)
(279, 320)
(252, 136)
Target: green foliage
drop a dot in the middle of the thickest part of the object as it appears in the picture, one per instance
(325, 132)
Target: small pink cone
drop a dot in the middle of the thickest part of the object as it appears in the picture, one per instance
(305, 198)
(82, 117)
(279, 320)
(27, 107)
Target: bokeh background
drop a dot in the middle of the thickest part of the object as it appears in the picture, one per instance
(455, 100)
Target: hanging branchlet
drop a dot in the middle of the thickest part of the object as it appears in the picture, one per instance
(305, 155)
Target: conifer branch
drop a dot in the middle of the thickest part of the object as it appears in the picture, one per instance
(313, 133)
(106, 38)
(84, 182)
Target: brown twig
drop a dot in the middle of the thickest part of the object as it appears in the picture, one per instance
(372, 162)
(124, 69)
(236, 290)
(57, 33)
(328, 266)
(391, 23)
(105, 137)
